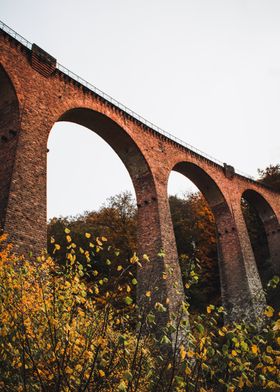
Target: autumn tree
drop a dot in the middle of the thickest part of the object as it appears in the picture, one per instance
(270, 176)
(116, 220)
(195, 233)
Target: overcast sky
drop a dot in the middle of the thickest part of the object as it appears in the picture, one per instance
(207, 71)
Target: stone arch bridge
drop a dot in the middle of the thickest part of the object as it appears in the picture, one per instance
(36, 92)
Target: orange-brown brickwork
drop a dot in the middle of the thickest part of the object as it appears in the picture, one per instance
(35, 95)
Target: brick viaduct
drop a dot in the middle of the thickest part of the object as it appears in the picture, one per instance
(36, 92)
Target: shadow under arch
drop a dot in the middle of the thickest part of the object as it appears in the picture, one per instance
(219, 208)
(9, 130)
(263, 228)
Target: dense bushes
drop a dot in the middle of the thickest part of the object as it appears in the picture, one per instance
(77, 328)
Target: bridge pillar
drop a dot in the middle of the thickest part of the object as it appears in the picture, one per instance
(161, 276)
(25, 216)
(242, 293)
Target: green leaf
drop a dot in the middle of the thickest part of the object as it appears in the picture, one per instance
(122, 386)
(151, 318)
(165, 340)
(200, 328)
(128, 300)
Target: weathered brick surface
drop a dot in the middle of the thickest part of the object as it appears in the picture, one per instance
(46, 97)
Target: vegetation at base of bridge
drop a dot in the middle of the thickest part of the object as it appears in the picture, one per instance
(69, 319)
(195, 233)
(74, 327)
(117, 219)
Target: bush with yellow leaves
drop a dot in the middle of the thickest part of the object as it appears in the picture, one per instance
(57, 335)
(70, 328)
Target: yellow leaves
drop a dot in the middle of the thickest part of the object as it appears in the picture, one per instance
(272, 385)
(71, 258)
(101, 341)
(148, 294)
(68, 370)
(98, 241)
(190, 354)
(145, 257)
(183, 352)
(57, 246)
(81, 313)
(241, 382)
(78, 368)
(254, 349)
(88, 354)
(66, 230)
(68, 238)
(76, 315)
(87, 235)
(269, 311)
(210, 308)
(188, 370)
(96, 290)
(276, 326)
(134, 259)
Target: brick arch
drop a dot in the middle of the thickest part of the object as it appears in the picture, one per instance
(113, 134)
(261, 204)
(9, 129)
(204, 182)
(270, 224)
(235, 285)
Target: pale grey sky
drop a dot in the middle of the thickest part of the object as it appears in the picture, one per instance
(206, 71)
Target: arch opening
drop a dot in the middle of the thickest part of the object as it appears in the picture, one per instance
(9, 130)
(104, 142)
(262, 225)
(197, 218)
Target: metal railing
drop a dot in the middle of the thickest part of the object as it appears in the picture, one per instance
(119, 105)
(15, 35)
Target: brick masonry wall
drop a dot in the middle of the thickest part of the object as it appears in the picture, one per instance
(45, 98)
